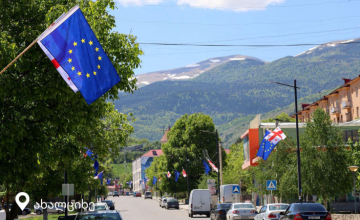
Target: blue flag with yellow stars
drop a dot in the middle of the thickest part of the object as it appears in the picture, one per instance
(76, 53)
(263, 145)
(177, 174)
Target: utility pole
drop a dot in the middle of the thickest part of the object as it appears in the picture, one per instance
(187, 175)
(66, 197)
(220, 159)
(217, 147)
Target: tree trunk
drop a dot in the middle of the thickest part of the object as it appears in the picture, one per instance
(326, 202)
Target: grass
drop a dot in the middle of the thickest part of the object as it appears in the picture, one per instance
(51, 216)
(120, 169)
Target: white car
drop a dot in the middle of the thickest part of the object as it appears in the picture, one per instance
(241, 211)
(99, 206)
(50, 208)
(110, 194)
(271, 211)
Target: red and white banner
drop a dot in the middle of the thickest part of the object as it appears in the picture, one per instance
(212, 165)
(276, 136)
(168, 174)
(184, 173)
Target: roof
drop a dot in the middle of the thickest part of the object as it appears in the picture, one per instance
(164, 139)
(153, 153)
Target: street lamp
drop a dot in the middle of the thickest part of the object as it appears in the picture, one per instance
(297, 137)
(217, 151)
(353, 169)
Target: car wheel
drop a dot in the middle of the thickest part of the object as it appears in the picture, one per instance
(191, 215)
(23, 213)
(38, 212)
(208, 215)
(167, 208)
(60, 212)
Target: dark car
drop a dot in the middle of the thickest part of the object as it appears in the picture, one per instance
(23, 212)
(305, 211)
(110, 204)
(172, 203)
(219, 211)
(116, 193)
(138, 194)
(108, 214)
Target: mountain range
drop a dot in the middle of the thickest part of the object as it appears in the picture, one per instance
(233, 91)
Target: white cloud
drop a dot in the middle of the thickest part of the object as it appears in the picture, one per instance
(139, 2)
(234, 5)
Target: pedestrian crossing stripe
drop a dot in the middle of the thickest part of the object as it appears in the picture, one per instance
(271, 186)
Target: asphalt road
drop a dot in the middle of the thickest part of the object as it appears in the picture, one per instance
(136, 208)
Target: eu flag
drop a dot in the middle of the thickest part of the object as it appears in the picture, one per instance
(78, 56)
(261, 150)
(206, 167)
(177, 174)
(154, 180)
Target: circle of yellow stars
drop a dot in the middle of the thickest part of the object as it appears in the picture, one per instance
(91, 43)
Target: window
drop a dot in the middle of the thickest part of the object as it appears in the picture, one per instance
(357, 111)
(356, 92)
(352, 134)
(341, 118)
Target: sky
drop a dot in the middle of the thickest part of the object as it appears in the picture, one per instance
(232, 22)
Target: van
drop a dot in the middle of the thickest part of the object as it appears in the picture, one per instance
(199, 202)
(227, 195)
(2, 215)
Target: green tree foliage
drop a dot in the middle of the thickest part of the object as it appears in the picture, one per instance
(283, 117)
(355, 154)
(324, 156)
(43, 124)
(184, 136)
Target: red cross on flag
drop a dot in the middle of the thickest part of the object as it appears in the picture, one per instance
(168, 174)
(184, 173)
(212, 165)
(276, 136)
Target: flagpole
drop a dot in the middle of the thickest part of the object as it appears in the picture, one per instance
(18, 56)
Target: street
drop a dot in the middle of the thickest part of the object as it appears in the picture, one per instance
(135, 208)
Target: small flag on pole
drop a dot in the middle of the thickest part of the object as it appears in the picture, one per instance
(168, 174)
(212, 165)
(177, 174)
(184, 173)
(76, 53)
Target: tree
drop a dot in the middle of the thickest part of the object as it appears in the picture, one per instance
(41, 119)
(184, 136)
(325, 157)
(283, 117)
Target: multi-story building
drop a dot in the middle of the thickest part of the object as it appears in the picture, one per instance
(139, 166)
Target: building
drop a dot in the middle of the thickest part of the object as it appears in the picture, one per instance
(139, 166)
(164, 139)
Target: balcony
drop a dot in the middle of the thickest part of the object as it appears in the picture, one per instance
(346, 105)
(335, 110)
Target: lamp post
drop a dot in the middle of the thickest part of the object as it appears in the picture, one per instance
(297, 138)
(217, 151)
(353, 169)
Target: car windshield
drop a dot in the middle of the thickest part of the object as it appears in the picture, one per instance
(99, 207)
(225, 206)
(108, 202)
(99, 216)
(172, 200)
(243, 206)
(314, 207)
(278, 207)
(148, 193)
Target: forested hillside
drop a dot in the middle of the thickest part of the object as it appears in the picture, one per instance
(233, 92)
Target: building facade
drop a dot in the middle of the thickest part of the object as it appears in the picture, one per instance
(139, 166)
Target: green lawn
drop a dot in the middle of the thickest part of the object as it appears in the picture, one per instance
(120, 169)
(50, 216)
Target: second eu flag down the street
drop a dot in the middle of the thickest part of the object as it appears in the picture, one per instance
(76, 53)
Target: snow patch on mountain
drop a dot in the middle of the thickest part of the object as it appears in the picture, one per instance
(237, 58)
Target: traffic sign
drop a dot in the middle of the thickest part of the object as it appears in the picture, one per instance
(236, 189)
(271, 185)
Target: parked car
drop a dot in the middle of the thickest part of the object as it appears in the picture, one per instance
(109, 214)
(172, 203)
(305, 211)
(127, 194)
(163, 202)
(99, 206)
(2, 215)
(110, 194)
(110, 204)
(50, 208)
(116, 193)
(148, 194)
(138, 194)
(241, 211)
(219, 211)
(199, 202)
(271, 211)
(134, 193)
(21, 212)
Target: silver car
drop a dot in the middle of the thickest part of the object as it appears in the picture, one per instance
(241, 211)
(271, 211)
(50, 208)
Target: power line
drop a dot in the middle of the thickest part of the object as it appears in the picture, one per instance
(239, 8)
(243, 45)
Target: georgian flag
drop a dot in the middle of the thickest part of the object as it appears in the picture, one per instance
(168, 174)
(275, 136)
(213, 165)
(159, 178)
(184, 173)
(99, 176)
